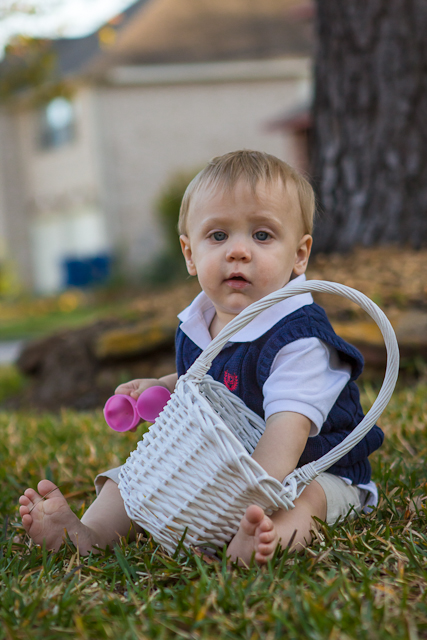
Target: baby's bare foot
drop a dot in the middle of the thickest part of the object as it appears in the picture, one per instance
(46, 516)
(257, 534)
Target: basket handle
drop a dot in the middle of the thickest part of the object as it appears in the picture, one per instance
(308, 472)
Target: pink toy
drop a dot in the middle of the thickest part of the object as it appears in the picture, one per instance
(122, 412)
(151, 402)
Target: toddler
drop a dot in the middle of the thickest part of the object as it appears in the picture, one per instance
(245, 231)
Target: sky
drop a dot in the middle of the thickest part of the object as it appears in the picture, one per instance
(60, 17)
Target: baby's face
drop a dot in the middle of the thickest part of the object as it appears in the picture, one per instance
(242, 245)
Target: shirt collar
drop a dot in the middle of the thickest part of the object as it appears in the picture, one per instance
(197, 317)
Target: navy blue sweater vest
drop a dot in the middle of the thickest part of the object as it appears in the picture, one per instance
(245, 366)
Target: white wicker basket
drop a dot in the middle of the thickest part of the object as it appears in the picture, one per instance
(193, 472)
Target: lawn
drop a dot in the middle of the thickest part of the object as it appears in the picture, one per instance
(28, 317)
(365, 579)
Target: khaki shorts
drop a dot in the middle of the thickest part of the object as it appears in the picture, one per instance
(101, 478)
(342, 499)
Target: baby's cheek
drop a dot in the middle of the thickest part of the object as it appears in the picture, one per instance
(268, 277)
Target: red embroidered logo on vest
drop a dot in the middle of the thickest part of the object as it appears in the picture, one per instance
(231, 381)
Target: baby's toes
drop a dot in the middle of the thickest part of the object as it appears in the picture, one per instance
(264, 553)
(267, 537)
(24, 508)
(24, 501)
(26, 517)
(266, 525)
(32, 495)
(266, 549)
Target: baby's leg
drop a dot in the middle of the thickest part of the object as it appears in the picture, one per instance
(46, 516)
(261, 534)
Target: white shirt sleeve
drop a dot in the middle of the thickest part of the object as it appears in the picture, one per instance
(306, 377)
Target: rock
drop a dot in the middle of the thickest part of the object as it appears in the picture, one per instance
(135, 341)
(81, 368)
(411, 333)
(367, 337)
(62, 369)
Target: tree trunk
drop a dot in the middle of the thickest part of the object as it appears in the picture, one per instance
(370, 123)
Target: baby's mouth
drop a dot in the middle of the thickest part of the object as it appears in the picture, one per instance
(237, 281)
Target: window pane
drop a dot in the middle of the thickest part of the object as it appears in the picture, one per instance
(57, 123)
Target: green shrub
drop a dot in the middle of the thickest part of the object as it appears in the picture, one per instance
(168, 205)
(170, 265)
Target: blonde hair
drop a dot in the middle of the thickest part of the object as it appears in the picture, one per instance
(252, 166)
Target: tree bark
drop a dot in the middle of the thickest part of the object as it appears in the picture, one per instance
(370, 123)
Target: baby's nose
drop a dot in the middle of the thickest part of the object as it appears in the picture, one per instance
(238, 250)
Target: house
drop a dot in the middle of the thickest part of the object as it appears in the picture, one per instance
(158, 90)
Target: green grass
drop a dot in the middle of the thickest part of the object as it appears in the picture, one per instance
(36, 323)
(33, 326)
(364, 579)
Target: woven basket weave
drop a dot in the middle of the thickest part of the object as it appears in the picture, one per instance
(192, 473)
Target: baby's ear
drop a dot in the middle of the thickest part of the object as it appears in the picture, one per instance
(188, 255)
(302, 255)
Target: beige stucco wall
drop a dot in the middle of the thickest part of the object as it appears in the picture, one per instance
(63, 176)
(149, 132)
(63, 194)
(49, 198)
(14, 196)
(3, 239)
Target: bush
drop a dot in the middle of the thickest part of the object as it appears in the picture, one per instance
(169, 265)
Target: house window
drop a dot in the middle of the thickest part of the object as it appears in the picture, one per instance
(57, 123)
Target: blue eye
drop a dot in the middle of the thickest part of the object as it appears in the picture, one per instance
(219, 236)
(262, 236)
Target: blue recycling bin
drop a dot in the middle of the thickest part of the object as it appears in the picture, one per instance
(86, 272)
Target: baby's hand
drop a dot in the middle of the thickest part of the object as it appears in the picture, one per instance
(134, 388)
